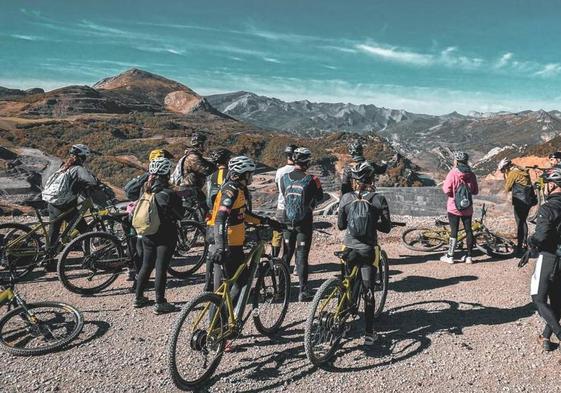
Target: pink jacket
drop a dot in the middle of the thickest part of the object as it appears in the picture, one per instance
(453, 180)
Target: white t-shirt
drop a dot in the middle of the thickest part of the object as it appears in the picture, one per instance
(280, 173)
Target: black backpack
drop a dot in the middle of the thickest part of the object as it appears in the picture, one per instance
(462, 197)
(359, 221)
(294, 205)
(134, 186)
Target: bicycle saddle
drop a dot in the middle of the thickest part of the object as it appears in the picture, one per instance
(441, 223)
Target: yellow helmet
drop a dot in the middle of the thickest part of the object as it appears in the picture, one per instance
(159, 153)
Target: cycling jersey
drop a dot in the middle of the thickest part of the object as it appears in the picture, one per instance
(278, 176)
(195, 169)
(548, 225)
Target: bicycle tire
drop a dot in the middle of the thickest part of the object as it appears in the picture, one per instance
(78, 319)
(64, 265)
(280, 283)
(200, 233)
(329, 286)
(384, 281)
(493, 245)
(422, 239)
(179, 380)
(20, 270)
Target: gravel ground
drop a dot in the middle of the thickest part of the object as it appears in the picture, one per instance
(462, 328)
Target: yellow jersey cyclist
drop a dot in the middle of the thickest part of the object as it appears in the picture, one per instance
(231, 210)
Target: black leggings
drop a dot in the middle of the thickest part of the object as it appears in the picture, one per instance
(231, 263)
(542, 288)
(521, 211)
(455, 226)
(54, 226)
(299, 240)
(157, 252)
(364, 259)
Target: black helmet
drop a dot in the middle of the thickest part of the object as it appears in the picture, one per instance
(556, 155)
(220, 156)
(197, 138)
(288, 150)
(460, 156)
(363, 172)
(553, 175)
(302, 155)
(355, 148)
(80, 150)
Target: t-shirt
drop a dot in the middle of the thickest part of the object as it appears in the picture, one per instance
(280, 173)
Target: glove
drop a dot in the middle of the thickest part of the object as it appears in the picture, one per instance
(220, 255)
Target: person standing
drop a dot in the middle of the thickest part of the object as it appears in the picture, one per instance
(276, 242)
(302, 192)
(546, 280)
(517, 181)
(356, 152)
(459, 186)
(158, 248)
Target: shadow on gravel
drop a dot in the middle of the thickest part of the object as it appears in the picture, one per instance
(412, 259)
(92, 331)
(324, 267)
(421, 283)
(322, 225)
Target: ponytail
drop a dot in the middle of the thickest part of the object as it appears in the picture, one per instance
(150, 183)
(70, 161)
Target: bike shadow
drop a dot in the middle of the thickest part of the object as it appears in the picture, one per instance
(422, 283)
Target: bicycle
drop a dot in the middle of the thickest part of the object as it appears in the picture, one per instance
(198, 338)
(28, 246)
(432, 239)
(35, 328)
(338, 300)
(93, 261)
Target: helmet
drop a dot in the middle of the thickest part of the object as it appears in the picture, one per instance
(505, 163)
(197, 138)
(362, 172)
(157, 153)
(553, 175)
(302, 155)
(160, 166)
(460, 156)
(80, 150)
(241, 164)
(556, 155)
(355, 148)
(220, 155)
(288, 150)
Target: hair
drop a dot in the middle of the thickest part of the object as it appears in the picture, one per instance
(70, 161)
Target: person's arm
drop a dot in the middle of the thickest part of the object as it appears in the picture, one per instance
(346, 181)
(385, 224)
(342, 215)
(509, 181)
(475, 186)
(447, 185)
(85, 177)
(318, 192)
(545, 228)
(379, 169)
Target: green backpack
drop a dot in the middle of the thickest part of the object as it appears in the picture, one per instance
(145, 218)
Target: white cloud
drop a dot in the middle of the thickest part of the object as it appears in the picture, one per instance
(272, 60)
(504, 60)
(396, 55)
(549, 70)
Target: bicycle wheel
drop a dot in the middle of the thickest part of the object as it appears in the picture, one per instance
(270, 298)
(91, 262)
(196, 344)
(191, 250)
(324, 325)
(422, 239)
(493, 245)
(44, 327)
(22, 250)
(381, 284)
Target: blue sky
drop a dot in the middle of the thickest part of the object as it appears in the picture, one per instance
(424, 56)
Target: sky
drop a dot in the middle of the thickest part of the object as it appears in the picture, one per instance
(425, 56)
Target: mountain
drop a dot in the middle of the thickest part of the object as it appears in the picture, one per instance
(305, 116)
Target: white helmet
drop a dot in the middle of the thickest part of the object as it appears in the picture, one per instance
(460, 156)
(241, 164)
(80, 150)
(160, 166)
(505, 163)
(302, 155)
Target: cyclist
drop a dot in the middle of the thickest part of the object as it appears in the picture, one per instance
(555, 159)
(61, 193)
(231, 209)
(289, 167)
(546, 280)
(157, 249)
(524, 197)
(190, 175)
(460, 174)
(220, 158)
(356, 152)
(360, 249)
(302, 192)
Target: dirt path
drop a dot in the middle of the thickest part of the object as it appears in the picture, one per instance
(460, 328)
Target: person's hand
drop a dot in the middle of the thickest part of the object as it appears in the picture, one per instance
(274, 224)
(220, 255)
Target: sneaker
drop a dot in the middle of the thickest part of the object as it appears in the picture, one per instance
(468, 260)
(139, 303)
(131, 276)
(447, 259)
(370, 339)
(546, 344)
(305, 295)
(163, 308)
(294, 273)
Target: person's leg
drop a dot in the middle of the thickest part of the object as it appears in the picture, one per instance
(235, 260)
(368, 274)
(466, 221)
(555, 302)
(148, 263)
(54, 224)
(540, 290)
(454, 226)
(289, 236)
(164, 253)
(303, 244)
(521, 211)
(209, 273)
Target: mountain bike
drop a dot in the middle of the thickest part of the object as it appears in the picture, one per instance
(337, 303)
(35, 328)
(93, 261)
(432, 239)
(198, 339)
(28, 246)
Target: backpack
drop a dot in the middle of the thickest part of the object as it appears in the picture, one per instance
(177, 175)
(58, 188)
(294, 204)
(134, 187)
(145, 218)
(359, 218)
(462, 197)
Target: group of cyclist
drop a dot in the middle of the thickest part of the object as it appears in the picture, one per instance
(216, 188)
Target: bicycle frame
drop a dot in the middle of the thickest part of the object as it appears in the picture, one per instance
(6, 296)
